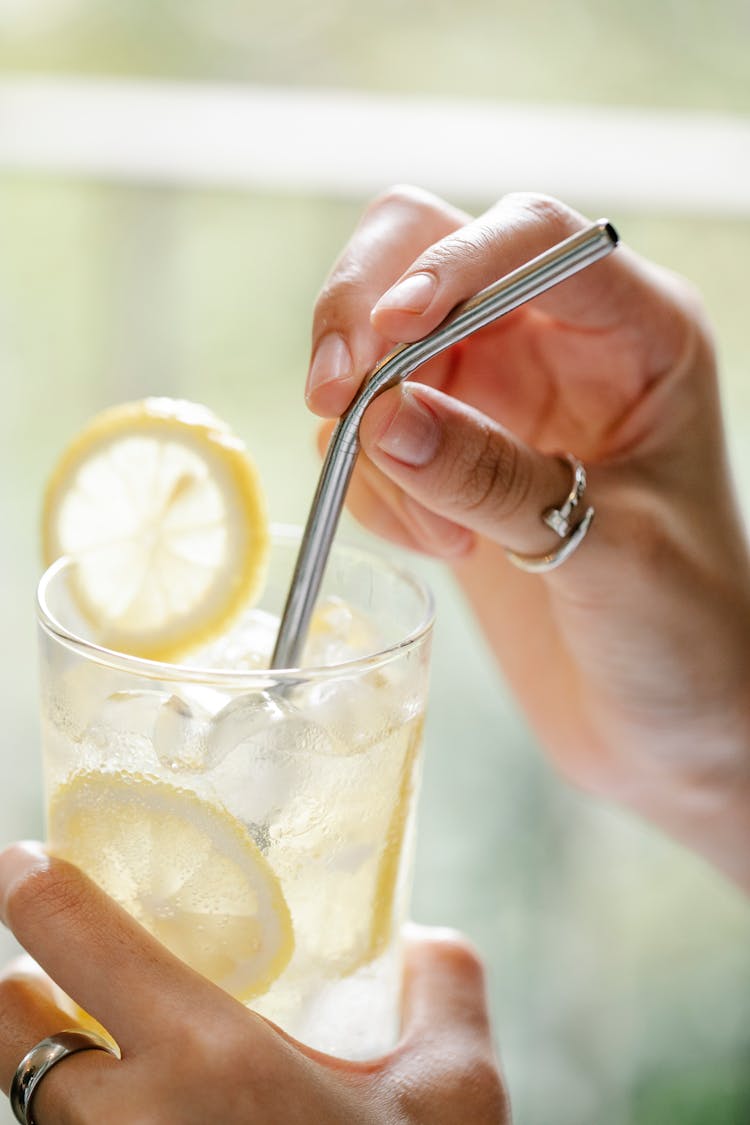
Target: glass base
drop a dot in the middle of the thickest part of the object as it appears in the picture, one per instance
(356, 1017)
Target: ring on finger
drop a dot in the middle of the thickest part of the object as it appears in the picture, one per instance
(561, 521)
(39, 1061)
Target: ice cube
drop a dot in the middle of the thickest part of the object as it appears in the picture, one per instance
(240, 720)
(245, 647)
(181, 733)
(73, 695)
(338, 633)
(355, 710)
(263, 750)
(120, 732)
(130, 712)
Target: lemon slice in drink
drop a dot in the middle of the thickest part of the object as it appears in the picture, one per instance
(345, 882)
(162, 510)
(186, 869)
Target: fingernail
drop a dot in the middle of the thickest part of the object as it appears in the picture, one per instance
(17, 861)
(412, 295)
(332, 361)
(412, 434)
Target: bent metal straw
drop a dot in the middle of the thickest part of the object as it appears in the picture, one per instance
(521, 285)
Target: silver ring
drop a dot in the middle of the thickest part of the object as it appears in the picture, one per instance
(41, 1058)
(560, 520)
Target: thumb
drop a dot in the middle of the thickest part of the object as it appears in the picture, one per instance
(446, 1062)
(444, 986)
(458, 463)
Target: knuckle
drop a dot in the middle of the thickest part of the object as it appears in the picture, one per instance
(544, 209)
(193, 1040)
(440, 257)
(463, 245)
(698, 330)
(349, 285)
(466, 1086)
(484, 238)
(474, 242)
(489, 478)
(224, 1053)
(401, 196)
(688, 295)
(483, 1078)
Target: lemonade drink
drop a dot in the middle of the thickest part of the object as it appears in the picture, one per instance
(259, 823)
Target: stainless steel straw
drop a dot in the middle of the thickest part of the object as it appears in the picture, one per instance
(524, 283)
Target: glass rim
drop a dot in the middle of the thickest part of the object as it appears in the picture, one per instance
(255, 677)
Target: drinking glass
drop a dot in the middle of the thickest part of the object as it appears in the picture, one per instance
(317, 766)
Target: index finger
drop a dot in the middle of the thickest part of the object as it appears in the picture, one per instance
(633, 302)
(637, 306)
(92, 948)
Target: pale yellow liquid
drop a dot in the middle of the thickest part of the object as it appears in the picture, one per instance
(322, 776)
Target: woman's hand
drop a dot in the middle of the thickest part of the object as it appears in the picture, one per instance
(191, 1054)
(631, 658)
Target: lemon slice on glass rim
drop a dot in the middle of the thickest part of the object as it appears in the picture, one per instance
(162, 510)
(187, 870)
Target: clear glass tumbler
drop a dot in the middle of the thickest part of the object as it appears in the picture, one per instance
(260, 823)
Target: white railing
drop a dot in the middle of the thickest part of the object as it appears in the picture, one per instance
(350, 144)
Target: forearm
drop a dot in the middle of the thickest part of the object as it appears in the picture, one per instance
(709, 814)
(668, 739)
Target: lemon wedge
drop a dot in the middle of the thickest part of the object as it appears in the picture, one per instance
(383, 914)
(186, 869)
(162, 510)
(346, 889)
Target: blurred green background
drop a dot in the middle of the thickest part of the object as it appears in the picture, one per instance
(619, 966)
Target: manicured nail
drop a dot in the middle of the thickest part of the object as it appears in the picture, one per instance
(412, 434)
(15, 862)
(412, 295)
(332, 361)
